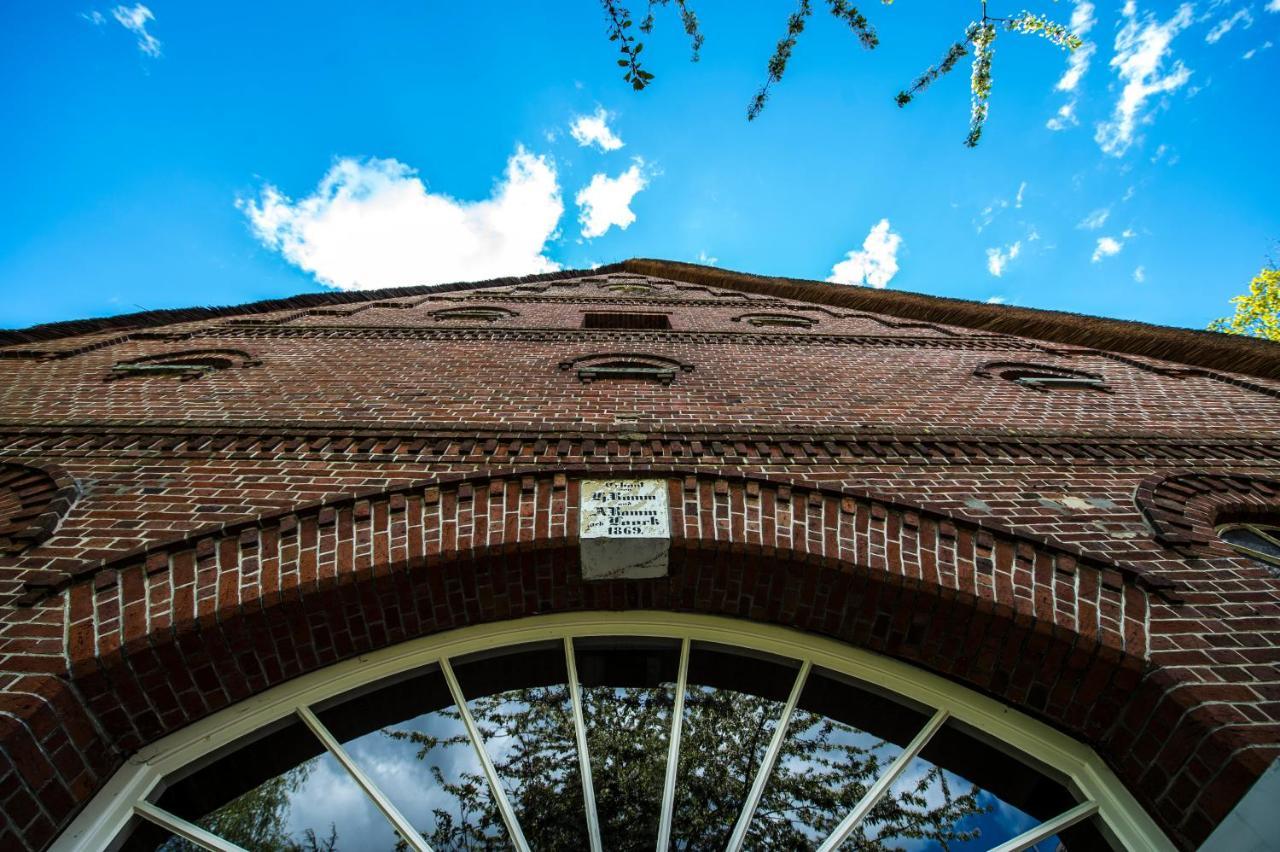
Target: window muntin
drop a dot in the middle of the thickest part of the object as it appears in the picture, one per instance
(748, 719)
(1259, 541)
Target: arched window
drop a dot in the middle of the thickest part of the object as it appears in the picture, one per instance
(1258, 540)
(631, 289)
(474, 314)
(618, 731)
(1043, 377)
(626, 366)
(782, 320)
(185, 365)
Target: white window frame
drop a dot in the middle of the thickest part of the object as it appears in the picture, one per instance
(126, 792)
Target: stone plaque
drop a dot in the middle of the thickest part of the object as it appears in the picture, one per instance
(624, 529)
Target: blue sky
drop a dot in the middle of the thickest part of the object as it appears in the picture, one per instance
(181, 153)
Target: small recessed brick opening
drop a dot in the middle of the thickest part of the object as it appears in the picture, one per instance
(616, 319)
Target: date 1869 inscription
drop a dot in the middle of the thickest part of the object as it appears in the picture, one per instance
(625, 529)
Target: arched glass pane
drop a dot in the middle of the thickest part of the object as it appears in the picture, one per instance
(144, 836)
(962, 793)
(732, 706)
(1247, 537)
(280, 791)
(408, 738)
(524, 712)
(842, 737)
(628, 690)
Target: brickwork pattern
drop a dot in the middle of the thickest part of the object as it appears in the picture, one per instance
(860, 478)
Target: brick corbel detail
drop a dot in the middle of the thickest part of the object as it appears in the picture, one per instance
(160, 638)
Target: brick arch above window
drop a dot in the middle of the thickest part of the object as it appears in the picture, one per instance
(1038, 624)
(185, 364)
(1042, 377)
(1184, 510)
(626, 365)
(33, 500)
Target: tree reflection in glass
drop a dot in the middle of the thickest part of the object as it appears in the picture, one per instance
(410, 739)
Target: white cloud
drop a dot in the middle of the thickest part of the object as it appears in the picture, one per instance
(1140, 274)
(95, 17)
(1095, 220)
(1141, 49)
(1266, 45)
(134, 19)
(1065, 117)
(998, 258)
(594, 130)
(1226, 25)
(875, 264)
(1082, 20)
(606, 201)
(703, 257)
(995, 300)
(1107, 247)
(1022, 188)
(1273, 6)
(373, 223)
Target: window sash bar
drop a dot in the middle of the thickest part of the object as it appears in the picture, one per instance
(402, 826)
(1048, 828)
(1266, 533)
(186, 830)
(877, 790)
(1060, 380)
(739, 835)
(490, 773)
(584, 756)
(673, 751)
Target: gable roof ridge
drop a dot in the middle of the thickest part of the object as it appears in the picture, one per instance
(1206, 349)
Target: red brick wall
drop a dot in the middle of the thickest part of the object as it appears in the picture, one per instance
(860, 478)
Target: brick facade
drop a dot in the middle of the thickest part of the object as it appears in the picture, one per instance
(278, 490)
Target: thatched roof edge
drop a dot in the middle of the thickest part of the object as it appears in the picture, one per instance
(1208, 349)
(170, 316)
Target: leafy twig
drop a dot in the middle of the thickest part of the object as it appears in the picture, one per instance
(856, 21)
(781, 55)
(1029, 24)
(983, 37)
(949, 60)
(687, 18)
(619, 22)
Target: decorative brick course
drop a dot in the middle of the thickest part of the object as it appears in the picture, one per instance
(383, 475)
